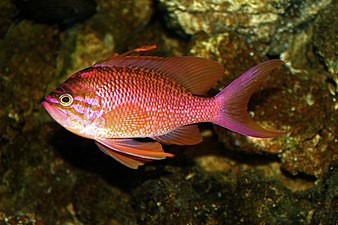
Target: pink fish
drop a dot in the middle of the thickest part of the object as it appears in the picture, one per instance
(125, 97)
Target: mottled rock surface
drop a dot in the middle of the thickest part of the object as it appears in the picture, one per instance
(325, 43)
(51, 176)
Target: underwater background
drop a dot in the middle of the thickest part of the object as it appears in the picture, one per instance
(51, 176)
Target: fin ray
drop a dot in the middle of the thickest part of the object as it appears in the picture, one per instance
(108, 60)
(196, 74)
(146, 150)
(126, 160)
(186, 135)
(235, 97)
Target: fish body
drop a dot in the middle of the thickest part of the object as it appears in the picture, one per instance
(125, 97)
(133, 103)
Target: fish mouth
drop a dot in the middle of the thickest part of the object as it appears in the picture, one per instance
(54, 111)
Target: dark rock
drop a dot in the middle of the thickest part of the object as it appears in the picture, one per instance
(324, 38)
(64, 13)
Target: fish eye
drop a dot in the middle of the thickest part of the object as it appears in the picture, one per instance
(66, 99)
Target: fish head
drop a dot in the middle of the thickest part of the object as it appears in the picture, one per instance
(74, 104)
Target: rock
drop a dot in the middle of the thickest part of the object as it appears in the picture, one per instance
(24, 74)
(20, 218)
(196, 197)
(324, 38)
(257, 21)
(8, 13)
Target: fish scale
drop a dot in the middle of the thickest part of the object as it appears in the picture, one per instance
(157, 99)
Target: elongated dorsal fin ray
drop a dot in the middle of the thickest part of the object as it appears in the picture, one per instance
(107, 60)
(196, 74)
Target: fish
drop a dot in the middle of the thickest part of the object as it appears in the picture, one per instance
(125, 97)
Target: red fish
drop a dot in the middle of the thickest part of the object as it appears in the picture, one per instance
(126, 96)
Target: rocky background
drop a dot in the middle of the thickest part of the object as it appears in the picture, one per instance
(51, 176)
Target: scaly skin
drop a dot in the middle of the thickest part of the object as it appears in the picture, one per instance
(121, 102)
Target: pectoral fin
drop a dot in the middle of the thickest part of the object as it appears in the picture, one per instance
(132, 153)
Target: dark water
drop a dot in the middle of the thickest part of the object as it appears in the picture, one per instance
(51, 176)
(63, 13)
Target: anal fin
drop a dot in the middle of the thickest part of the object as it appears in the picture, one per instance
(186, 135)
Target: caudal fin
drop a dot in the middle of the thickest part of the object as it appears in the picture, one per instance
(235, 97)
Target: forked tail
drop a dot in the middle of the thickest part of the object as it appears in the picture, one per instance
(235, 97)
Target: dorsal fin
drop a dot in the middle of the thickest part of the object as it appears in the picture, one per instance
(196, 74)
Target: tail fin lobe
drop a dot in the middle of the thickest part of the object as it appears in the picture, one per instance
(235, 97)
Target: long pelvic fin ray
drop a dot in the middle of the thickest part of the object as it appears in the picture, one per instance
(132, 153)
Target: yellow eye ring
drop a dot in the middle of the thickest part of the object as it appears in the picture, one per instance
(66, 99)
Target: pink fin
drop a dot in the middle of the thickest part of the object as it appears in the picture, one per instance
(235, 97)
(196, 74)
(137, 152)
(186, 135)
(127, 160)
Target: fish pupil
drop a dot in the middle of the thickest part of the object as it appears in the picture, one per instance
(66, 99)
